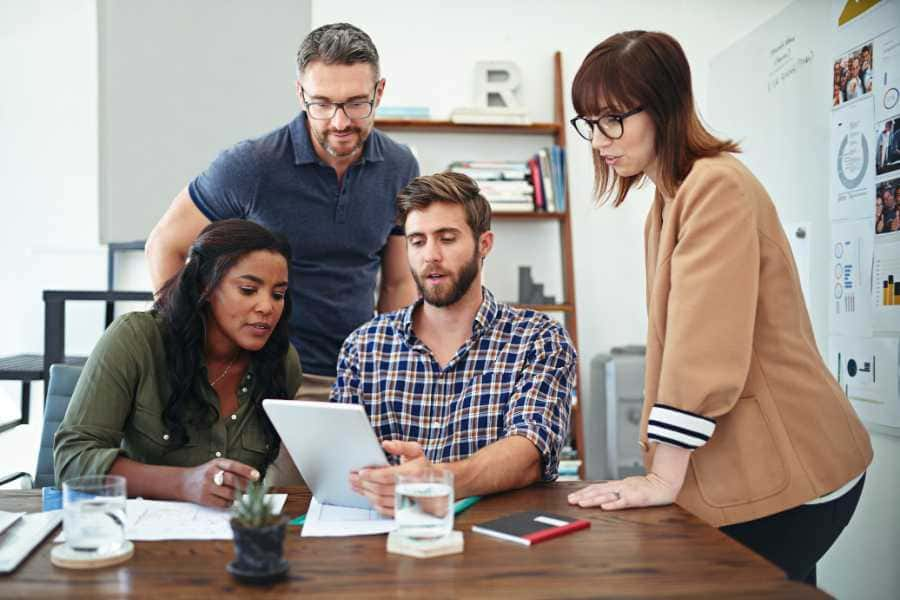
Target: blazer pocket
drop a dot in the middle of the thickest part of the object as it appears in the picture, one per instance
(741, 462)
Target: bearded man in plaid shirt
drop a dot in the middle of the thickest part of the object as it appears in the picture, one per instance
(457, 380)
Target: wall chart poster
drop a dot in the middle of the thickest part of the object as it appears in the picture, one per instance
(887, 75)
(852, 160)
(866, 369)
(850, 308)
(886, 287)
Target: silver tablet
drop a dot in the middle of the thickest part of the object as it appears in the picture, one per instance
(327, 441)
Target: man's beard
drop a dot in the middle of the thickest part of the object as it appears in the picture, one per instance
(322, 138)
(460, 284)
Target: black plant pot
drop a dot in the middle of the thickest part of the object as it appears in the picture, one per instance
(259, 553)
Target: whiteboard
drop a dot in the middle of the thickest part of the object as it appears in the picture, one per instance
(765, 92)
(771, 92)
(179, 82)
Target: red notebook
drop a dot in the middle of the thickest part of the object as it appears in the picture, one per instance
(530, 527)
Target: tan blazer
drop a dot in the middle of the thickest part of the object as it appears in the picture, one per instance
(731, 356)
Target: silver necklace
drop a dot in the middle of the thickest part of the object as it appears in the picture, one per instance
(225, 372)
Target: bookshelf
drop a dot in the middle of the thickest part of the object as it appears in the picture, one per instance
(556, 130)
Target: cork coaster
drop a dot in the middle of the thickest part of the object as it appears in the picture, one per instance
(452, 543)
(65, 557)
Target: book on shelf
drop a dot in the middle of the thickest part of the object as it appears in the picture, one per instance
(557, 167)
(547, 179)
(537, 183)
(492, 115)
(540, 179)
(521, 206)
(492, 187)
(490, 171)
(403, 112)
(530, 527)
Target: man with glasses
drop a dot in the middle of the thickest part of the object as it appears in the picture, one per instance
(327, 181)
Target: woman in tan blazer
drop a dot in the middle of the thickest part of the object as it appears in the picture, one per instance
(743, 425)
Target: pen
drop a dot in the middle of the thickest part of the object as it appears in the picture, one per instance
(465, 503)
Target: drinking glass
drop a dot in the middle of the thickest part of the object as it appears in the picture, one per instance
(423, 504)
(94, 513)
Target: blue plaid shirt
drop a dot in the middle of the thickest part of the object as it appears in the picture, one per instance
(514, 376)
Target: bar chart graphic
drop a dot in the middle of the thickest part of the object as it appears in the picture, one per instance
(886, 275)
(886, 287)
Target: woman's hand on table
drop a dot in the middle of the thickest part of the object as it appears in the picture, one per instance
(657, 488)
(214, 483)
(631, 492)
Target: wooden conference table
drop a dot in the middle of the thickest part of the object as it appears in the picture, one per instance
(658, 552)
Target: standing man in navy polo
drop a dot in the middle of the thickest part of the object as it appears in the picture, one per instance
(328, 182)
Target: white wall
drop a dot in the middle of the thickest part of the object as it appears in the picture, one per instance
(48, 174)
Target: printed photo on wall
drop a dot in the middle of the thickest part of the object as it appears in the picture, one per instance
(887, 146)
(887, 76)
(887, 206)
(853, 75)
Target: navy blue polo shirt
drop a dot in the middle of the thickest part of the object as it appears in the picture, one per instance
(337, 233)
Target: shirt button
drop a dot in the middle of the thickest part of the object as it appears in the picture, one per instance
(234, 417)
(218, 455)
(166, 436)
(244, 389)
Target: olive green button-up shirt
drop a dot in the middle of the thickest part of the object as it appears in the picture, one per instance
(117, 406)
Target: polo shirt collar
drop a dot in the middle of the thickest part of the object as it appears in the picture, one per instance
(305, 153)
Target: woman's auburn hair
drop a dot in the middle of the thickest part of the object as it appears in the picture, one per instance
(647, 69)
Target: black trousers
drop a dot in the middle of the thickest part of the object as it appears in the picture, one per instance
(797, 538)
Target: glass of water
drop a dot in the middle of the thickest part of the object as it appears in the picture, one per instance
(423, 504)
(94, 513)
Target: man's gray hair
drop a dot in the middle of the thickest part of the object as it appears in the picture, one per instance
(338, 43)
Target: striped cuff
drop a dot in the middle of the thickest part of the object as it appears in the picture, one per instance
(675, 427)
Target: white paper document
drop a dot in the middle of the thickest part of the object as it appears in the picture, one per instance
(885, 287)
(887, 75)
(852, 162)
(851, 277)
(867, 369)
(8, 518)
(157, 520)
(326, 520)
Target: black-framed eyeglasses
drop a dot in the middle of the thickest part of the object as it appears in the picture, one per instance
(610, 125)
(354, 109)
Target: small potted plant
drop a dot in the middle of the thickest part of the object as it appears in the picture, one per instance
(258, 537)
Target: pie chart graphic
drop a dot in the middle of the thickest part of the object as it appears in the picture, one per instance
(891, 96)
(853, 160)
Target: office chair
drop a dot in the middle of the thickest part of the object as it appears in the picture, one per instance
(59, 391)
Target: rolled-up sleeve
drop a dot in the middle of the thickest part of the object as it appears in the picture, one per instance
(711, 311)
(541, 403)
(89, 438)
(346, 388)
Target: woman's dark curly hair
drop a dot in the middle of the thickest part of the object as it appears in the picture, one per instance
(183, 303)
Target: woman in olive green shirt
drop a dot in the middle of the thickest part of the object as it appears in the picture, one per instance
(172, 398)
